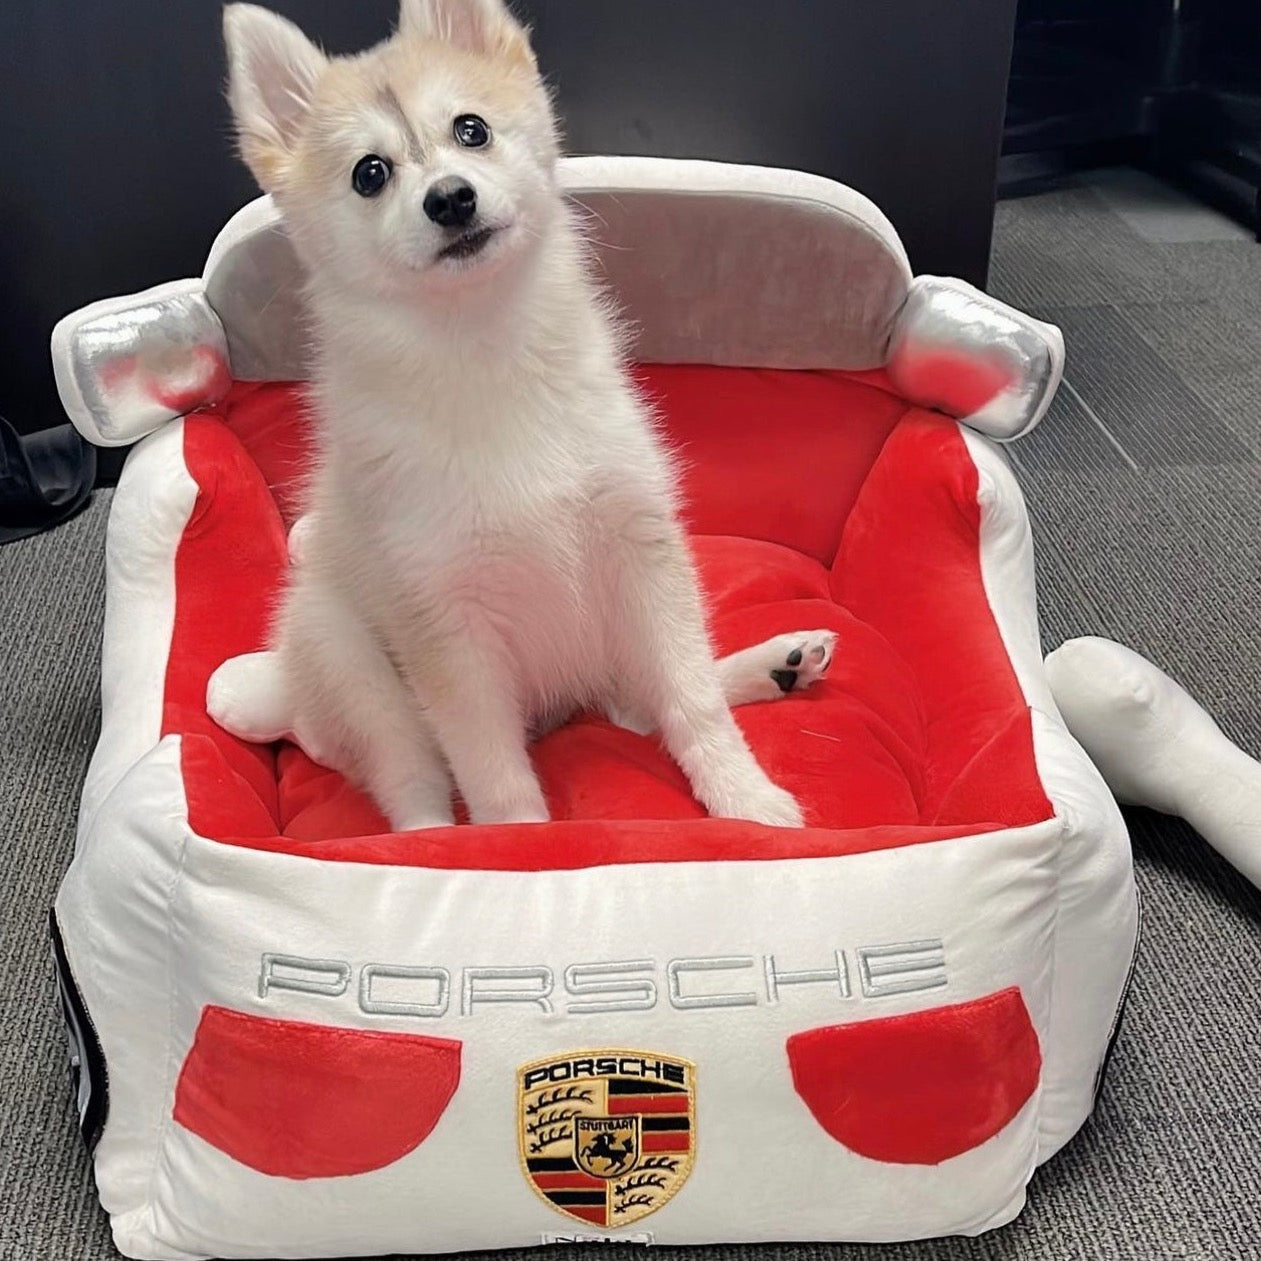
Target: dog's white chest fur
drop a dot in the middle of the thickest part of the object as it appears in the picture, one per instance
(519, 573)
(491, 525)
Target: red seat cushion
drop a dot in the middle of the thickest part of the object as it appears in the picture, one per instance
(815, 500)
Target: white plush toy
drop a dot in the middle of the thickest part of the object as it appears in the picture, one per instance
(1157, 747)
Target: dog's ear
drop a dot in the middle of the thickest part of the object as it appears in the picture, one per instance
(272, 70)
(477, 26)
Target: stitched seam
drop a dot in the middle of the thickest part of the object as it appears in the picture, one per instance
(168, 1076)
(862, 486)
(919, 792)
(1053, 982)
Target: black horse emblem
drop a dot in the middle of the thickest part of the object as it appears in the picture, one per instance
(606, 1147)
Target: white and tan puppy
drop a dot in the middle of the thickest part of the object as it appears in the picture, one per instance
(492, 539)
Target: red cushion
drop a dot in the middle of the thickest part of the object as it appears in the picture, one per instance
(815, 500)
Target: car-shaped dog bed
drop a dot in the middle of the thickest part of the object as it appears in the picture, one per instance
(298, 1034)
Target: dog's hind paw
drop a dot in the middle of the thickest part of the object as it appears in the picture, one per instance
(806, 659)
(788, 663)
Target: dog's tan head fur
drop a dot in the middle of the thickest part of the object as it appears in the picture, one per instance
(306, 122)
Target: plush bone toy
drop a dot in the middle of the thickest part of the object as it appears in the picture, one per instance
(1157, 747)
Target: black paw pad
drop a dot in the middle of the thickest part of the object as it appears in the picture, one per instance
(785, 680)
(794, 657)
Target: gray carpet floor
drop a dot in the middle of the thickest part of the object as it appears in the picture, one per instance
(1145, 488)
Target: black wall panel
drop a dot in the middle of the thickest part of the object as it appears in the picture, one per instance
(116, 167)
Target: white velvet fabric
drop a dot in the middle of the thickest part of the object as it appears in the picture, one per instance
(1157, 747)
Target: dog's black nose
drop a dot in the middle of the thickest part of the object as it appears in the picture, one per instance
(451, 203)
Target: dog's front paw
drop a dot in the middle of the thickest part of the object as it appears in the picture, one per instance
(530, 808)
(426, 821)
(768, 804)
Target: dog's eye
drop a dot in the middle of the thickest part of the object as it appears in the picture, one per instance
(371, 175)
(471, 131)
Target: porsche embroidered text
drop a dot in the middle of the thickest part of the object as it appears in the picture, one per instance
(700, 982)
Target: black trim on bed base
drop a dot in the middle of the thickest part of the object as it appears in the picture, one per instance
(88, 1075)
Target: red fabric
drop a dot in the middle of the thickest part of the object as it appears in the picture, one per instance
(921, 1088)
(781, 430)
(567, 1182)
(909, 568)
(633, 1105)
(665, 1142)
(271, 422)
(966, 382)
(596, 1216)
(312, 1101)
(983, 789)
(228, 568)
(817, 500)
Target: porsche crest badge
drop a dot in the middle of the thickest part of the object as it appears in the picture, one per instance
(607, 1137)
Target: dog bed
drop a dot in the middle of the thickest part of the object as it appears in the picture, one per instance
(297, 1034)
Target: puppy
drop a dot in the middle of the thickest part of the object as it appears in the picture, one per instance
(492, 540)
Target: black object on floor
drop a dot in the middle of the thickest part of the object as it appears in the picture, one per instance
(45, 478)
